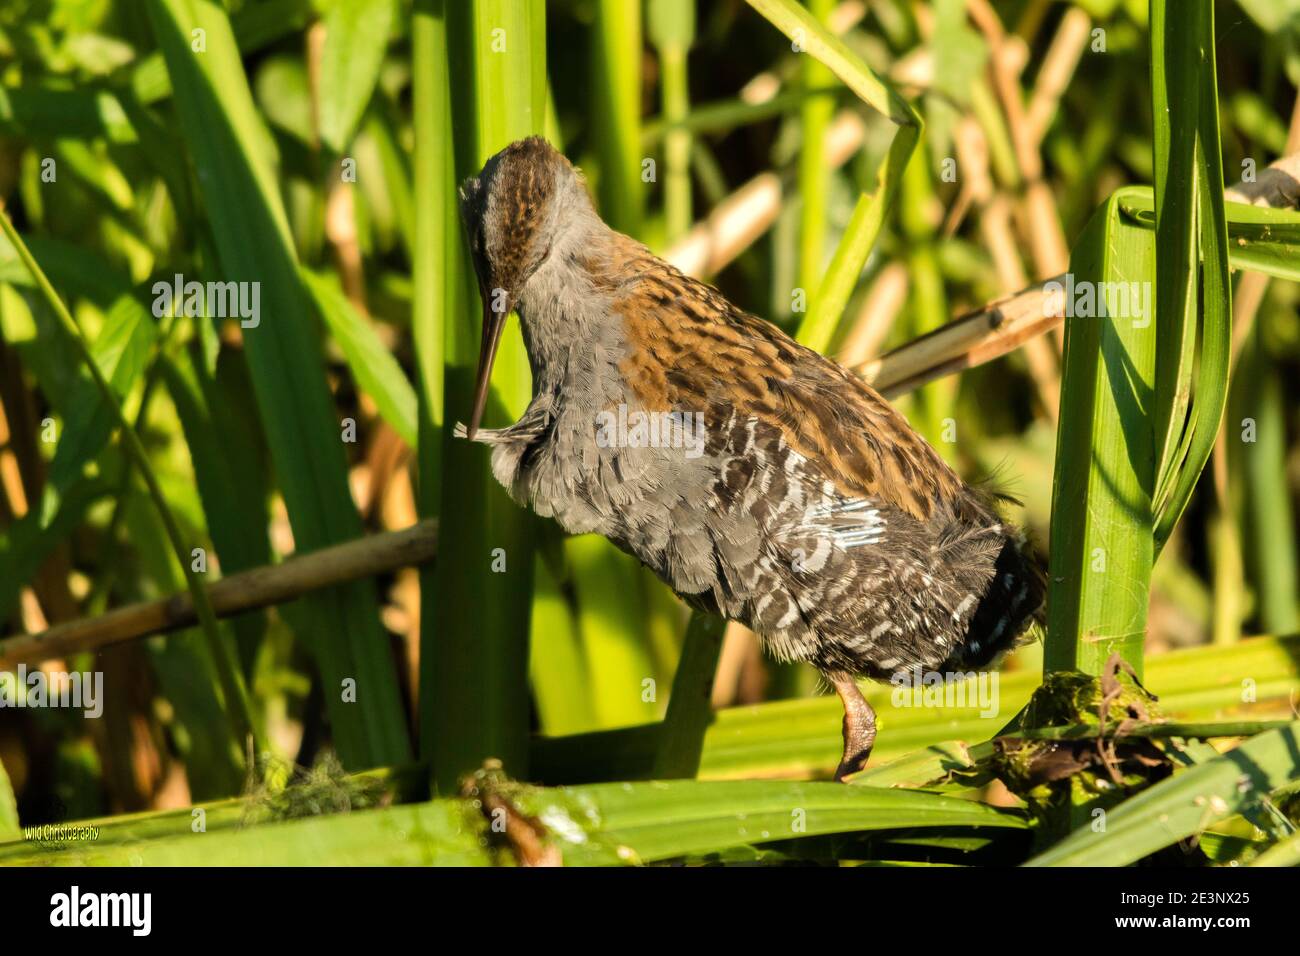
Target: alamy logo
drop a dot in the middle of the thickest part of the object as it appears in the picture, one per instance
(75, 690)
(134, 910)
(919, 688)
(215, 300)
(640, 429)
(1089, 300)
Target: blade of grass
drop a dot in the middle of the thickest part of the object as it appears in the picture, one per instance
(1283, 853)
(616, 114)
(1269, 516)
(475, 662)
(9, 828)
(672, 30)
(120, 351)
(218, 420)
(663, 820)
(1191, 257)
(690, 706)
(815, 172)
(436, 277)
(557, 670)
(227, 143)
(356, 38)
(821, 44)
(256, 27)
(235, 694)
(373, 366)
(802, 27)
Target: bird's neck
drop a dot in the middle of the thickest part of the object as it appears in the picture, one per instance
(573, 339)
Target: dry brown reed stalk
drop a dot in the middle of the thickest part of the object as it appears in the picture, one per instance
(248, 590)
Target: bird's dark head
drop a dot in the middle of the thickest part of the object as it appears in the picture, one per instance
(515, 215)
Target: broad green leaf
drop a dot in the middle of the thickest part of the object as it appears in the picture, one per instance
(439, 296)
(604, 825)
(1260, 238)
(661, 820)
(925, 767)
(256, 27)
(1102, 520)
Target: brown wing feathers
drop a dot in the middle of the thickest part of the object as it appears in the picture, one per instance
(691, 349)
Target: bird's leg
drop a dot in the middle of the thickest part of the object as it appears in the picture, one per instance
(859, 725)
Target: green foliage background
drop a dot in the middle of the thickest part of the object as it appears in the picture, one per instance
(314, 147)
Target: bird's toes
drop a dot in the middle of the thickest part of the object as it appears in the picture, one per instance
(851, 765)
(460, 431)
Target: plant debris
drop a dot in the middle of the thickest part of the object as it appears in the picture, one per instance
(1066, 782)
(527, 838)
(278, 790)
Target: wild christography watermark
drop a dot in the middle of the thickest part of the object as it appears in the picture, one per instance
(917, 687)
(56, 833)
(75, 690)
(215, 300)
(642, 429)
(1088, 300)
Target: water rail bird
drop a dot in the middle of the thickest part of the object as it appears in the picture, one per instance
(760, 480)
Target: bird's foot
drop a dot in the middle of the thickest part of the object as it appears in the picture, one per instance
(484, 436)
(529, 428)
(854, 759)
(859, 726)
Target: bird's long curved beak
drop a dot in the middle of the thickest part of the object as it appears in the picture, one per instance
(493, 323)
